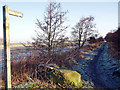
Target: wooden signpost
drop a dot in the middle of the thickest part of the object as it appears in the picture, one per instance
(6, 37)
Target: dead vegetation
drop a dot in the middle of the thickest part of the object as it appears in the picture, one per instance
(113, 40)
(31, 69)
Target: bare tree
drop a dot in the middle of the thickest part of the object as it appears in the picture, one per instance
(51, 28)
(83, 30)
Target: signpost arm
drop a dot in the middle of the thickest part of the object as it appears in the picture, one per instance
(6, 36)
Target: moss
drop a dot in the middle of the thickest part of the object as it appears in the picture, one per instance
(67, 77)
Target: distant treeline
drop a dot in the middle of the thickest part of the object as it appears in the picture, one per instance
(94, 40)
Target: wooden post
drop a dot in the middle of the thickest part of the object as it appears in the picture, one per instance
(6, 36)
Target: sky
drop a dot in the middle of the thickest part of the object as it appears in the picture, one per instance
(118, 14)
(23, 29)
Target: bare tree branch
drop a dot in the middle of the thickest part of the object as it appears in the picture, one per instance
(83, 29)
(51, 29)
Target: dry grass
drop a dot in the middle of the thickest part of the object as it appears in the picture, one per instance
(29, 70)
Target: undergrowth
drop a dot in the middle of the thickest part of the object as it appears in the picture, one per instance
(29, 70)
(114, 50)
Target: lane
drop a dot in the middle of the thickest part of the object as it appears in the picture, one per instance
(98, 68)
(105, 68)
(84, 66)
(93, 71)
(102, 68)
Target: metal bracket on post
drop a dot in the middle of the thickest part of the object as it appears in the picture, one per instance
(6, 37)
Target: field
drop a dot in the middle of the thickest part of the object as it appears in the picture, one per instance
(27, 71)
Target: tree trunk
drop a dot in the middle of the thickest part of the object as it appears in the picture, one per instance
(79, 43)
(83, 43)
(49, 51)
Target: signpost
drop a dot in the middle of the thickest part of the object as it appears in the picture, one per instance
(6, 36)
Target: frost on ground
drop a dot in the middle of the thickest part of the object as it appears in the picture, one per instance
(83, 67)
(106, 65)
(98, 67)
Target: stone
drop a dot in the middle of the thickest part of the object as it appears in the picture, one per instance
(66, 77)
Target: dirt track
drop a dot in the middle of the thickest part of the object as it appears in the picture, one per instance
(98, 68)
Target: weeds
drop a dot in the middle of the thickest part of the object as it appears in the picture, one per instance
(29, 69)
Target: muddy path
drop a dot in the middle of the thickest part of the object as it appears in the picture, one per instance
(98, 68)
